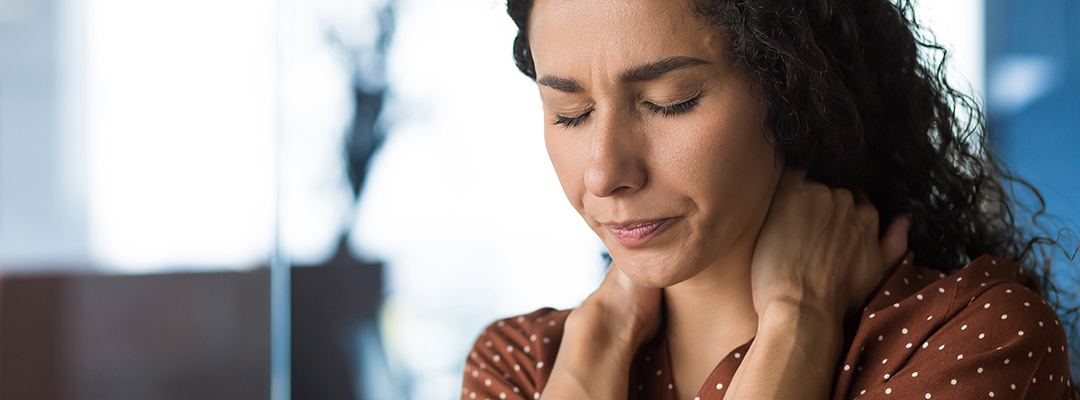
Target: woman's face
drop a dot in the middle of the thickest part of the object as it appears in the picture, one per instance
(656, 138)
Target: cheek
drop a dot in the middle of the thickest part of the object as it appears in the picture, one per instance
(569, 164)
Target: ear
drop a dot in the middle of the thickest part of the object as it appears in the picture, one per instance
(894, 245)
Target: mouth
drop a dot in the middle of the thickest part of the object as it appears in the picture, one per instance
(637, 233)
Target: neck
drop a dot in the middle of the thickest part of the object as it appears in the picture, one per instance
(708, 316)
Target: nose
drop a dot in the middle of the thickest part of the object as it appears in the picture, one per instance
(616, 165)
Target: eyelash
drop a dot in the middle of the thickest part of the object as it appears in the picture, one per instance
(668, 111)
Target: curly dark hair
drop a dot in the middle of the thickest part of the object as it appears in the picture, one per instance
(857, 96)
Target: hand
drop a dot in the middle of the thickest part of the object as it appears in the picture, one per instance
(819, 247)
(629, 312)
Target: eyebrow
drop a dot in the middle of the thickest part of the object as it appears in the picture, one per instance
(639, 73)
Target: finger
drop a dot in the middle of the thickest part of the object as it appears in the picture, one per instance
(867, 213)
(894, 243)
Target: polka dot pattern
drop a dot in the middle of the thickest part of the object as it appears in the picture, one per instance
(982, 331)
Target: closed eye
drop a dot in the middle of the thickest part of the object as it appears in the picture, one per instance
(673, 110)
(571, 122)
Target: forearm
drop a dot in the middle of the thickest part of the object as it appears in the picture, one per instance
(792, 357)
(593, 361)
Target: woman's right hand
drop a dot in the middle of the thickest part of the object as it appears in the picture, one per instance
(601, 337)
(630, 312)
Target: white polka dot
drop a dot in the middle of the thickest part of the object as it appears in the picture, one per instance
(896, 305)
(546, 340)
(963, 328)
(487, 343)
(517, 367)
(1003, 316)
(509, 349)
(487, 382)
(1033, 380)
(540, 365)
(942, 290)
(737, 355)
(887, 376)
(871, 316)
(475, 373)
(942, 347)
(516, 390)
(526, 349)
(928, 395)
(914, 374)
(472, 395)
(960, 357)
(536, 395)
(532, 338)
(953, 382)
(1013, 386)
(982, 335)
(991, 394)
(993, 262)
(888, 390)
(980, 370)
(1030, 354)
(908, 346)
(925, 344)
(959, 279)
(904, 331)
(719, 386)
(521, 319)
(862, 392)
(1021, 333)
(1008, 291)
(880, 337)
(1006, 360)
(482, 366)
(884, 360)
(670, 386)
(551, 323)
(987, 305)
(847, 367)
(501, 323)
(658, 372)
(919, 296)
(496, 358)
(887, 293)
(502, 395)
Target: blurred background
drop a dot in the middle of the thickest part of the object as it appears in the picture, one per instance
(237, 199)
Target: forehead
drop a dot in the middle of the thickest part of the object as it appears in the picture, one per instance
(593, 36)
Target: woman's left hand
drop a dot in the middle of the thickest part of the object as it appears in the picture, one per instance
(817, 258)
(819, 248)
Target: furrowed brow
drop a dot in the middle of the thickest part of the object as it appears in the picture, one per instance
(654, 70)
(560, 84)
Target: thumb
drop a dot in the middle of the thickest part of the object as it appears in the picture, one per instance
(894, 243)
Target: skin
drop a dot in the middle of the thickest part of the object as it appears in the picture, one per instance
(647, 120)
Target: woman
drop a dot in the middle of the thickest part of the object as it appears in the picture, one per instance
(736, 158)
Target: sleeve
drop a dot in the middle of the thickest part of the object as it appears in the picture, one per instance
(512, 358)
(1005, 343)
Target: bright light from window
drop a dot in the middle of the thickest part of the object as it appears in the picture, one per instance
(181, 113)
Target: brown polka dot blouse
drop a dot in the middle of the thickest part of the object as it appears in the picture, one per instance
(982, 332)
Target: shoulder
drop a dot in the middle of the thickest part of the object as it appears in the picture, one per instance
(512, 357)
(980, 329)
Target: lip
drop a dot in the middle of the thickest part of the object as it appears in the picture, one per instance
(637, 233)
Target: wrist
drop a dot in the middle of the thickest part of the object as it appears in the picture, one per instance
(601, 327)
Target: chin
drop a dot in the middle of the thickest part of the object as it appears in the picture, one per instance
(652, 271)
